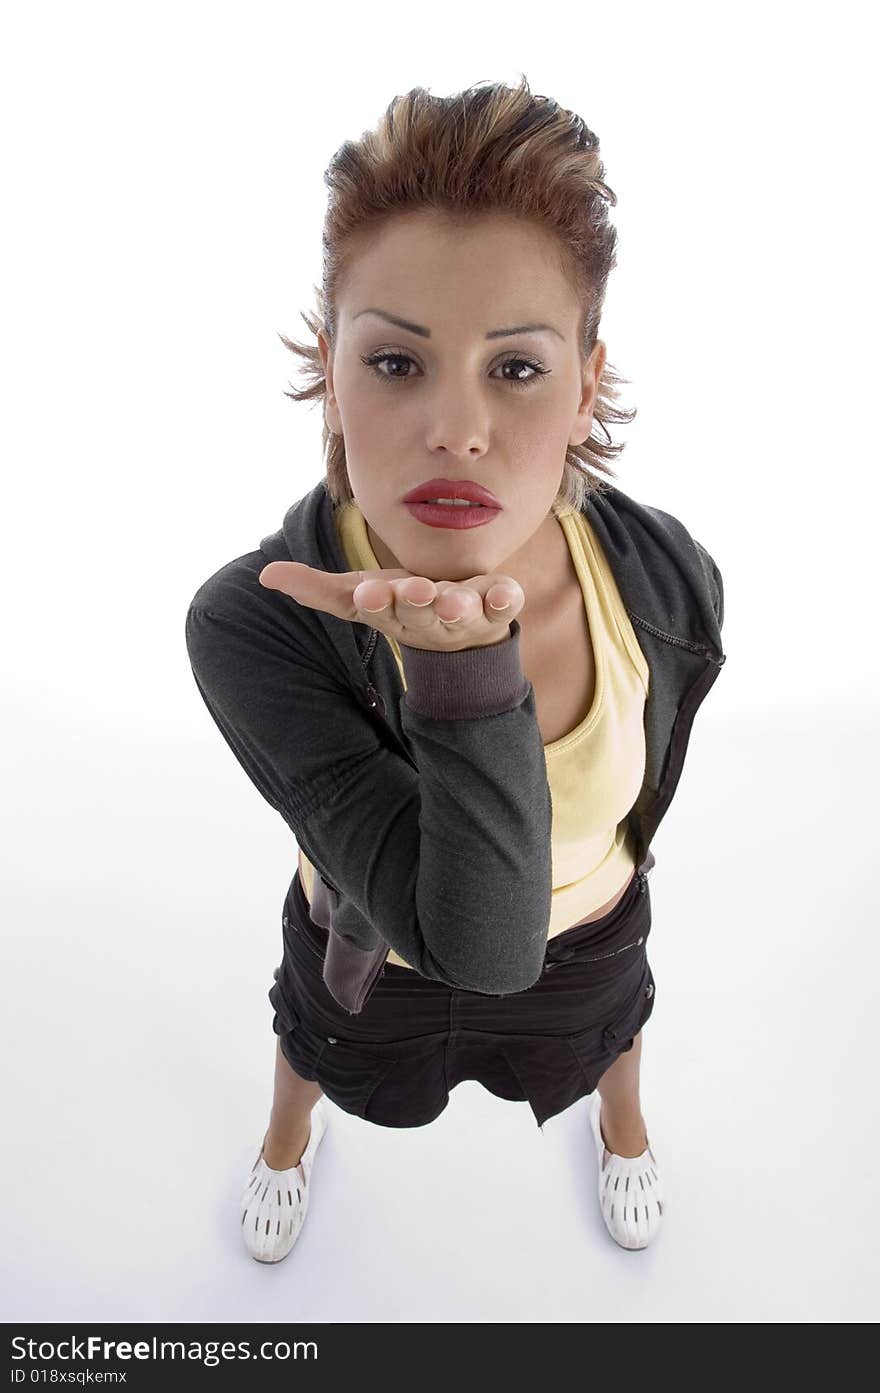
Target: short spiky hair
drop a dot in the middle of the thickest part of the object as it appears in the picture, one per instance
(487, 150)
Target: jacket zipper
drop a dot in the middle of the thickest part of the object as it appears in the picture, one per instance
(375, 699)
(678, 742)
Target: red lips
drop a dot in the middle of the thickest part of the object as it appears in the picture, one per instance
(452, 488)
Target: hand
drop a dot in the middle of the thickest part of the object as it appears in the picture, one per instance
(408, 608)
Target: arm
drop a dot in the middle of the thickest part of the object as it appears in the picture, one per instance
(450, 861)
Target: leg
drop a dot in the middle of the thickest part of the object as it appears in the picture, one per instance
(290, 1122)
(621, 1121)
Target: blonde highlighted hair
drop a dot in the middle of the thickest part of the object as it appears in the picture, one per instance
(490, 149)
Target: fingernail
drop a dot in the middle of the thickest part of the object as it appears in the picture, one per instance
(507, 606)
(367, 610)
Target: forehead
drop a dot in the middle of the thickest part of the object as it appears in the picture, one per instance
(419, 265)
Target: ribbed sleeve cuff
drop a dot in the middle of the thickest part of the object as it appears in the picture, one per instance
(471, 682)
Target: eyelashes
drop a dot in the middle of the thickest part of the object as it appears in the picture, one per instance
(374, 361)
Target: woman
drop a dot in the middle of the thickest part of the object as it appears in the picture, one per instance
(472, 715)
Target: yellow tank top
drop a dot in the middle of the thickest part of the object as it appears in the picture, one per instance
(595, 772)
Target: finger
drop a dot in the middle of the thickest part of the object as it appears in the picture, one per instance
(415, 603)
(498, 601)
(373, 597)
(370, 598)
(409, 601)
(498, 589)
(418, 591)
(374, 592)
(458, 604)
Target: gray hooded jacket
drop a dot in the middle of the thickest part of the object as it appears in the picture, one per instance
(426, 812)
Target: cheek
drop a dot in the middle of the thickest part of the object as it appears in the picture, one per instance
(545, 433)
(536, 461)
(379, 453)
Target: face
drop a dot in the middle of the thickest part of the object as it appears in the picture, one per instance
(457, 401)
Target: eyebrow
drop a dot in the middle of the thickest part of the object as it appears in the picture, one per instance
(492, 334)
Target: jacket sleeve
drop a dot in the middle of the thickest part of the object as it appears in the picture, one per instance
(449, 860)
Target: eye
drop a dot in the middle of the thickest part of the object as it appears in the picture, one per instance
(375, 360)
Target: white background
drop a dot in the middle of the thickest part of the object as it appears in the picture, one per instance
(162, 175)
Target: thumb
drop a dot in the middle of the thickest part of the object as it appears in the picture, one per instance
(283, 576)
(330, 591)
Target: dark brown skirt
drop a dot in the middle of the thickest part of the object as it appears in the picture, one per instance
(395, 1063)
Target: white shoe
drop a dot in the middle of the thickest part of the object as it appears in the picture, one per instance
(630, 1190)
(275, 1203)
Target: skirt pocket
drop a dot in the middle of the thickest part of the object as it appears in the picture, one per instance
(295, 936)
(395, 1083)
(300, 1045)
(350, 1073)
(597, 1048)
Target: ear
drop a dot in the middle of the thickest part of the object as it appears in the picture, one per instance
(331, 409)
(592, 376)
